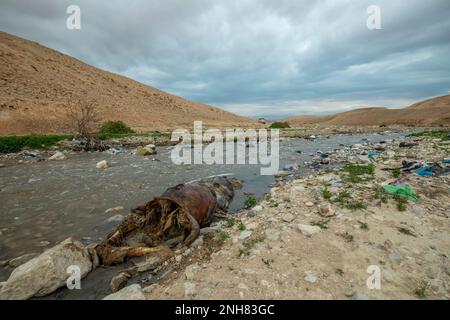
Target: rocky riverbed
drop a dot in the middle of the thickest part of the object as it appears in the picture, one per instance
(326, 223)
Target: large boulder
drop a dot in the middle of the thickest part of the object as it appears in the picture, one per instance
(58, 156)
(133, 292)
(47, 272)
(148, 150)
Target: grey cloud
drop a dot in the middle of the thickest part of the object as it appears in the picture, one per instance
(296, 57)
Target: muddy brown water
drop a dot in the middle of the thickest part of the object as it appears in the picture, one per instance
(43, 203)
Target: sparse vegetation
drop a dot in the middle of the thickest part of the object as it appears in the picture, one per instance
(380, 193)
(348, 237)
(248, 245)
(280, 125)
(342, 197)
(249, 202)
(355, 205)
(230, 223)
(396, 173)
(322, 224)
(222, 237)
(401, 202)
(84, 117)
(363, 225)
(358, 173)
(241, 226)
(244, 252)
(421, 290)
(16, 143)
(267, 262)
(442, 134)
(326, 194)
(339, 272)
(115, 127)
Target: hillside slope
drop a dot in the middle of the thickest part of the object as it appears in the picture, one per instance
(435, 111)
(37, 84)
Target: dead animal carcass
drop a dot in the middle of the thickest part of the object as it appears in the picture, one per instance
(173, 219)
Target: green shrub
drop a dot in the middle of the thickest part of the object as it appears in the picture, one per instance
(250, 202)
(115, 127)
(16, 143)
(280, 125)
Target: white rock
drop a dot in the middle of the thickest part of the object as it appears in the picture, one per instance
(198, 242)
(58, 156)
(288, 217)
(308, 230)
(47, 272)
(133, 292)
(245, 234)
(257, 208)
(116, 218)
(190, 271)
(242, 286)
(102, 164)
(282, 173)
(272, 234)
(325, 210)
(309, 204)
(189, 289)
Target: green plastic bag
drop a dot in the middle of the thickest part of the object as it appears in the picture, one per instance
(403, 191)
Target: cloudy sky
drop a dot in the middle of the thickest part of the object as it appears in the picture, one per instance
(256, 57)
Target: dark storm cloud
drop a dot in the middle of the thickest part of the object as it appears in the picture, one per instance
(256, 57)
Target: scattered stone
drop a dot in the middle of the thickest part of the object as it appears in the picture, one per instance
(209, 230)
(133, 292)
(325, 210)
(44, 243)
(115, 209)
(308, 230)
(47, 272)
(395, 257)
(257, 208)
(360, 296)
(118, 218)
(148, 150)
(245, 234)
(190, 271)
(311, 277)
(189, 289)
(58, 156)
(102, 164)
(119, 281)
(242, 286)
(198, 242)
(150, 288)
(282, 173)
(309, 204)
(272, 234)
(288, 217)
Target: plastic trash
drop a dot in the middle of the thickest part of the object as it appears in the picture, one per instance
(424, 171)
(373, 154)
(403, 190)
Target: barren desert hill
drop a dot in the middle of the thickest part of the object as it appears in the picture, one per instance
(37, 84)
(435, 111)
